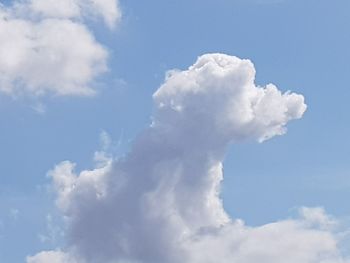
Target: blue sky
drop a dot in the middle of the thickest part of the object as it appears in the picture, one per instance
(301, 46)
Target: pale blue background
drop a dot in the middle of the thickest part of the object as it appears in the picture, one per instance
(299, 45)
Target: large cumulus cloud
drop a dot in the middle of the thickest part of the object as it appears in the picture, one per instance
(161, 203)
(46, 47)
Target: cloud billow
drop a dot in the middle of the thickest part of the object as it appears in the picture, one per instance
(161, 202)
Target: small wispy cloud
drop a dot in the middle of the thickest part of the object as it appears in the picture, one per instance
(14, 214)
(53, 231)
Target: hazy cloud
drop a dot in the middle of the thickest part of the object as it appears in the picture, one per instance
(50, 257)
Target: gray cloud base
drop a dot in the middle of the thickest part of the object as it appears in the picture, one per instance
(161, 202)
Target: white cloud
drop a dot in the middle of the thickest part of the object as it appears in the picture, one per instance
(108, 10)
(161, 203)
(217, 97)
(57, 56)
(46, 48)
(51, 8)
(50, 257)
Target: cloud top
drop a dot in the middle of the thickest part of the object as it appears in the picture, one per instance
(219, 96)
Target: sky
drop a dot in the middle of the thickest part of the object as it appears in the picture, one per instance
(150, 100)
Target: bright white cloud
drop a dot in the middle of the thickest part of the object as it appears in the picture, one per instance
(161, 203)
(45, 49)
